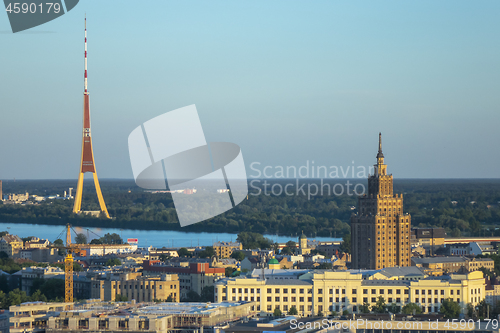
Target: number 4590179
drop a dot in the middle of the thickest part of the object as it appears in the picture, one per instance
(33, 8)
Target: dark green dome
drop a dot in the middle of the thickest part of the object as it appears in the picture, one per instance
(274, 262)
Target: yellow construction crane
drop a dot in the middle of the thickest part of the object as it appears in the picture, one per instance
(72, 248)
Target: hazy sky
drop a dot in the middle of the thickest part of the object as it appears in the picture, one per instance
(288, 81)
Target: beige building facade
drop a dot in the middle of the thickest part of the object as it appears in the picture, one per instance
(141, 289)
(11, 244)
(225, 249)
(324, 291)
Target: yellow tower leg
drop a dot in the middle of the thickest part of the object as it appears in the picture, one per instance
(68, 278)
(78, 197)
(99, 196)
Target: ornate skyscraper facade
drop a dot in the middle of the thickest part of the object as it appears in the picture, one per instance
(380, 231)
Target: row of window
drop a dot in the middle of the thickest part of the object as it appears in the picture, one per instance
(172, 286)
(339, 291)
(344, 299)
(429, 292)
(382, 291)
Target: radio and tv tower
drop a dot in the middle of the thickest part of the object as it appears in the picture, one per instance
(87, 161)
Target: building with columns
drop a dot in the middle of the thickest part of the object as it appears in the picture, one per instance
(322, 291)
(380, 231)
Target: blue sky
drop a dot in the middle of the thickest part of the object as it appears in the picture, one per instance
(289, 81)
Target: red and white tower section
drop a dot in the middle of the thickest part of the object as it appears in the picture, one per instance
(87, 160)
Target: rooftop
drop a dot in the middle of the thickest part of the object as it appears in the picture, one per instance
(435, 260)
(185, 308)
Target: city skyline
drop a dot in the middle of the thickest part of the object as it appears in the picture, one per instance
(289, 82)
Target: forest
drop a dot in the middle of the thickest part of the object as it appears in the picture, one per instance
(464, 207)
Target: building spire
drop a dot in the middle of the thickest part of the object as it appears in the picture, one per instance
(380, 154)
(85, 77)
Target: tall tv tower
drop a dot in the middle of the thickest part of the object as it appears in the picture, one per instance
(87, 162)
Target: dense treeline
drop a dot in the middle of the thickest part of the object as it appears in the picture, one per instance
(463, 207)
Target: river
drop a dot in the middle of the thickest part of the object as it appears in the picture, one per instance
(155, 238)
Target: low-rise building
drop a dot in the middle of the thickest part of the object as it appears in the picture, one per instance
(34, 316)
(108, 249)
(431, 239)
(192, 276)
(4, 319)
(16, 198)
(322, 290)
(464, 249)
(250, 263)
(30, 274)
(225, 249)
(439, 265)
(36, 243)
(136, 287)
(97, 316)
(155, 254)
(478, 263)
(49, 255)
(11, 244)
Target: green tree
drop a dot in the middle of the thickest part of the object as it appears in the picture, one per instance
(238, 255)
(412, 308)
(483, 309)
(487, 272)
(3, 300)
(365, 308)
(229, 271)
(345, 246)
(113, 262)
(345, 312)
(16, 297)
(113, 238)
(183, 252)
(470, 311)
(450, 309)
(37, 296)
(321, 253)
(169, 299)
(80, 239)
(59, 242)
(380, 306)
(53, 289)
(254, 240)
(121, 298)
(164, 257)
(208, 294)
(289, 248)
(192, 296)
(207, 253)
(394, 308)
(293, 311)
(4, 284)
(277, 312)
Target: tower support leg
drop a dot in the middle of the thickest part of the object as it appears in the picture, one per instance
(77, 207)
(104, 210)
